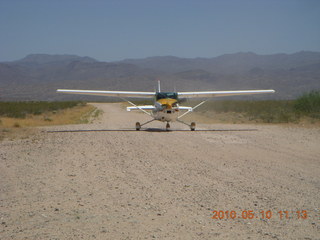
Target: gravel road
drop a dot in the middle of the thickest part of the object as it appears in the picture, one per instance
(107, 181)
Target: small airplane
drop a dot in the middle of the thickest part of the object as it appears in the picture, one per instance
(166, 106)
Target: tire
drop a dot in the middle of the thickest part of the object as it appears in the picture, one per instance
(138, 126)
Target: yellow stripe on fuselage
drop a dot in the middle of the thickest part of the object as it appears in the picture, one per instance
(168, 102)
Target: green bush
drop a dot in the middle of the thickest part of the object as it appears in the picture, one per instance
(309, 104)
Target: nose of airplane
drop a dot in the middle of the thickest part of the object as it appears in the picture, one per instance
(167, 103)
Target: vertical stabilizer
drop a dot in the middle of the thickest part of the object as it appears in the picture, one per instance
(159, 90)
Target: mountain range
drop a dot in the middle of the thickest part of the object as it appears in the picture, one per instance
(37, 76)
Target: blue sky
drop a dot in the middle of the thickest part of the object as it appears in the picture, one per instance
(118, 29)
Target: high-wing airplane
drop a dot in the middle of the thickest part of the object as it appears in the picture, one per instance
(166, 106)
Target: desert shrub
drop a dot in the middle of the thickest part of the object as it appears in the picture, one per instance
(268, 111)
(309, 104)
(21, 109)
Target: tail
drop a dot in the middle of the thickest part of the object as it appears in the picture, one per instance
(159, 90)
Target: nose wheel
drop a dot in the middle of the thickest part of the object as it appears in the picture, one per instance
(168, 127)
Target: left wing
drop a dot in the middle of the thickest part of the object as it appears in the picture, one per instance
(210, 94)
(109, 93)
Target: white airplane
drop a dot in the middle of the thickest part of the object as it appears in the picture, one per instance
(166, 106)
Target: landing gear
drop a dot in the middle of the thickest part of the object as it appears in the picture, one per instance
(193, 126)
(138, 125)
(168, 127)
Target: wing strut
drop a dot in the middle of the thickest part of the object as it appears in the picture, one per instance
(190, 110)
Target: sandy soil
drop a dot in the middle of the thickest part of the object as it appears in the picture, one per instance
(112, 182)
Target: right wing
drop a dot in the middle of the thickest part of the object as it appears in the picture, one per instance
(207, 94)
(109, 93)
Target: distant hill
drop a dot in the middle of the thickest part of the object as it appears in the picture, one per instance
(228, 63)
(40, 59)
(37, 76)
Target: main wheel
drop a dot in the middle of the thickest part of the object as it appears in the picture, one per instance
(138, 126)
(168, 127)
(193, 126)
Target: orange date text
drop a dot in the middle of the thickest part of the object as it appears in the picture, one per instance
(263, 214)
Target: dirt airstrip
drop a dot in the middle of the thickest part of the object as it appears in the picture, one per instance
(109, 181)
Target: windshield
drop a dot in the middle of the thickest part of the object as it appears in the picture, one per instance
(163, 95)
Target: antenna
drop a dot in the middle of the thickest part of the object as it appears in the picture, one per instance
(159, 86)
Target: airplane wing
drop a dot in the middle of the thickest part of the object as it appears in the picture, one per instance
(109, 93)
(205, 94)
(210, 94)
(147, 107)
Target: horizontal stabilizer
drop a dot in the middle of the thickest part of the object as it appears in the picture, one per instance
(185, 108)
(147, 107)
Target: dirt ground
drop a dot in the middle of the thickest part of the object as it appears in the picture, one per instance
(109, 181)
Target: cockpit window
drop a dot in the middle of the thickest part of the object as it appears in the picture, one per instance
(163, 95)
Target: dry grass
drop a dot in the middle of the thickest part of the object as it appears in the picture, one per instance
(22, 127)
(73, 115)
